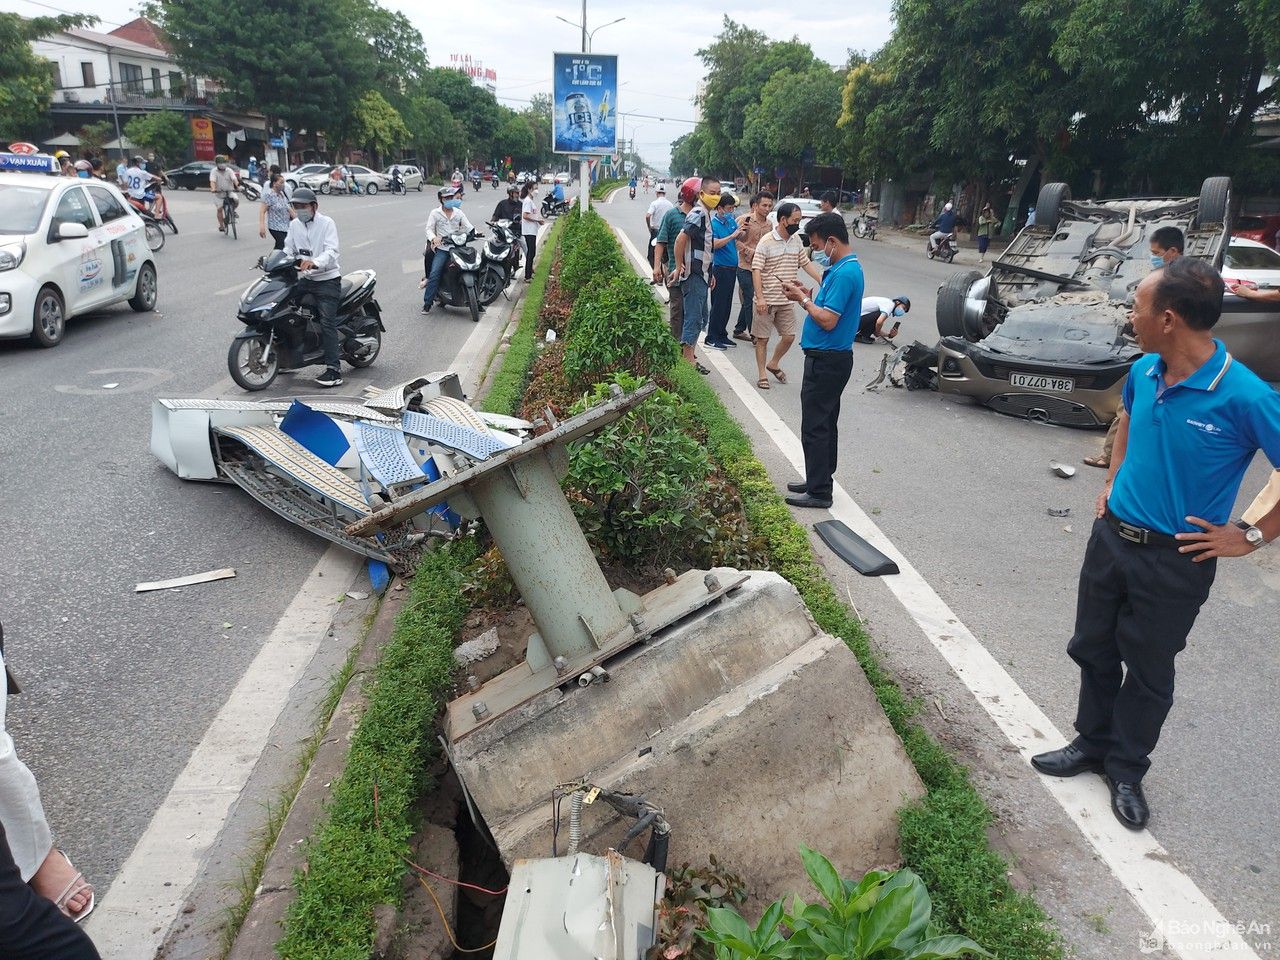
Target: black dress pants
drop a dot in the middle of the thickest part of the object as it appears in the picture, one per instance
(826, 372)
(326, 294)
(31, 927)
(1135, 607)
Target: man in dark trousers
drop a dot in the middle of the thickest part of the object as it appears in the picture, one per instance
(830, 323)
(1192, 420)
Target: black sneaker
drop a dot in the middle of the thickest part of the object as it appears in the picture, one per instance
(330, 378)
(426, 308)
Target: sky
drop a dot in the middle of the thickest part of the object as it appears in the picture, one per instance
(657, 43)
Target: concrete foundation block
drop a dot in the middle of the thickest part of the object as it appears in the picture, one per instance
(754, 731)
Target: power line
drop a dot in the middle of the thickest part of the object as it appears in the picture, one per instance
(73, 13)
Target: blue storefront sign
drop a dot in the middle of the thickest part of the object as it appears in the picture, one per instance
(586, 103)
(277, 142)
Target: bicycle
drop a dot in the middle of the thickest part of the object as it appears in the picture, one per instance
(229, 216)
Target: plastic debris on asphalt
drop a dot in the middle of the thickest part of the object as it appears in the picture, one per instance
(1059, 511)
(1062, 470)
(187, 581)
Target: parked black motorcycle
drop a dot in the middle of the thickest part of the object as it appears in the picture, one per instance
(502, 256)
(282, 326)
(551, 207)
(460, 282)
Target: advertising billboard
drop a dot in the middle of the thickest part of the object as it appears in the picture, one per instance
(202, 137)
(585, 112)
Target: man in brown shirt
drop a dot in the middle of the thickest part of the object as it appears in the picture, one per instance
(754, 226)
(779, 256)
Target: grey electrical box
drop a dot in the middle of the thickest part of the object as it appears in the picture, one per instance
(580, 907)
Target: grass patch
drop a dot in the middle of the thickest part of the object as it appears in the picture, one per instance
(505, 394)
(601, 189)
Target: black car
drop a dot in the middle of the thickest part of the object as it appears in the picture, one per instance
(193, 176)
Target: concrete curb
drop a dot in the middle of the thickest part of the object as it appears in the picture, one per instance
(261, 929)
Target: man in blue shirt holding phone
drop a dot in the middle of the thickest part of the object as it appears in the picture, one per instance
(830, 324)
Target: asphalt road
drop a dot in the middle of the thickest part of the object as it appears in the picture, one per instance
(119, 687)
(963, 492)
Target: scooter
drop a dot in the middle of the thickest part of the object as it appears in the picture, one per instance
(460, 283)
(397, 186)
(493, 181)
(551, 207)
(475, 183)
(502, 255)
(282, 327)
(154, 233)
(633, 192)
(865, 225)
(946, 249)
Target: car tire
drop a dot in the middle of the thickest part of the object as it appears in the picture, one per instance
(1215, 207)
(48, 318)
(371, 189)
(419, 186)
(147, 292)
(324, 188)
(190, 188)
(1051, 198)
(950, 312)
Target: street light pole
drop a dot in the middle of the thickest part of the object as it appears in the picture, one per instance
(584, 163)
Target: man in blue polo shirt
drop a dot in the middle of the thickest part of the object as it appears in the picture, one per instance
(1193, 418)
(830, 323)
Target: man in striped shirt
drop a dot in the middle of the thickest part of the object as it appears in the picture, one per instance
(777, 261)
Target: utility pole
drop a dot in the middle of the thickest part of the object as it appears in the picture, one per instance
(584, 164)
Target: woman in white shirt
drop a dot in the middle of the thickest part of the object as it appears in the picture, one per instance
(530, 219)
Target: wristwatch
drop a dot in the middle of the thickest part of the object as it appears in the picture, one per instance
(1254, 536)
(805, 303)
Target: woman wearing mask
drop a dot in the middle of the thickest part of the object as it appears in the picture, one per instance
(724, 268)
(987, 226)
(275, 213)
(530, 219)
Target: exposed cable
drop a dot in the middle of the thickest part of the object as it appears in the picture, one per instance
(456, 883)
(445, 921)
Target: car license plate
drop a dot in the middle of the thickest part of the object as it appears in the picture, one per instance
(1037, 382)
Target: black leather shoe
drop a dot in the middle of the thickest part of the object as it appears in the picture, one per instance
(804, 500)
(1128, 804)
(1067, 762)
(801, 487)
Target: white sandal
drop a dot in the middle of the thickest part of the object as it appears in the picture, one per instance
(77, 885)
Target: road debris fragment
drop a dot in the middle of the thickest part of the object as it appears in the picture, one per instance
(209, 576)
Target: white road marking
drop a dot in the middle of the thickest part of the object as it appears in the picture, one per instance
(366, 243)
(235, 288)
(147, 893)
(1190, 925)
(136, 913)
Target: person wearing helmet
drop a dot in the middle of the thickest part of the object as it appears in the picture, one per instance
(876, 312)
(224, 183)
(666, 269)
(137, 180)
(944, 226)
(313, 239)
(694, 257)
(445, 220)
(84, 169)
(653, 216)
(509, 209)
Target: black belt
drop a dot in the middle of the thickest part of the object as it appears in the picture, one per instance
(1139, 535)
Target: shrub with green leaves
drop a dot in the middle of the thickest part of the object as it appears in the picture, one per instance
(616, 325)
(641, 476)
(884, 916)
(588, 251)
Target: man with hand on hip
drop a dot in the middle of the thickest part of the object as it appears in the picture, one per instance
(830, 323)
(1192, 420)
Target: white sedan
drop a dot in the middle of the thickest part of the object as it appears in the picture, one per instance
(68, 247)
(293, 179)
(370, 181)
(1251, 262)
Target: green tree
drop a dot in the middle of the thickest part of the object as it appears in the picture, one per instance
(399, 56)
(377, 125)
(475, 108)
(166, 132)
(94, 135)
(299, 61)
(797, 109)
(434, 131)
(26, 81)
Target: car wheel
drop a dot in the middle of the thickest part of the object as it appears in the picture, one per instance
(419, 186)
(950, 312)
(190, 187)
(1051, 198)
(1215, 207)
(49, 319)
(148, 290)
(324, 188)
(371, 189)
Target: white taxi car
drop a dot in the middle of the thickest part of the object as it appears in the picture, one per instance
(67, 247)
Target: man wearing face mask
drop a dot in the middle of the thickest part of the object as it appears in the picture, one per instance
(313, 239)
(694, 256)
(1166, 247)
(779, 255)
(223, 183)
(876, 312)
(443, 221)
(725, 232)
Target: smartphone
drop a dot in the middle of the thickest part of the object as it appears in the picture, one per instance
(893, 332)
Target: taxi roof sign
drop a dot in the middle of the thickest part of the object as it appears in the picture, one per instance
(28, 162)
(21, 146)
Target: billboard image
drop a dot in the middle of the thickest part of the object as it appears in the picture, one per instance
(586, 103)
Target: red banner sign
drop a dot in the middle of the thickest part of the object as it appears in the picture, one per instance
(202, 136)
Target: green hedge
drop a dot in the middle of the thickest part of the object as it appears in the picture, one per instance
(353, 863)
(602, 188)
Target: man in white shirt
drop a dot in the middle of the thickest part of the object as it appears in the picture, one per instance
(313, 239)
(876, 312)
(653, 216)
(137, 180)
(446, 219)
(223, 183)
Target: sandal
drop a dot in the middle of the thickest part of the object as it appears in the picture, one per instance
(701, 369)
(1098, 461)
(78, 884)
(778, 374)
(763, 383)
